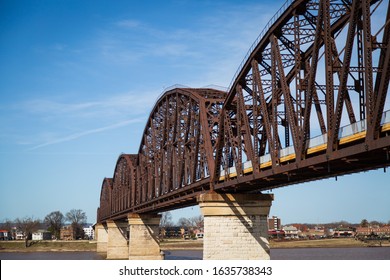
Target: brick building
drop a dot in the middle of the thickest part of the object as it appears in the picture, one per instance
(381, 231)
(274, 223)
(67, 233)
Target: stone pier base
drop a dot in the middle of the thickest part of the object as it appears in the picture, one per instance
(117, 245)
(144, 243)
(235, 226)
(101, 235)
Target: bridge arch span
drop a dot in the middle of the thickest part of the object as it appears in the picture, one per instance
(175, 157)
(178, 145)
(123, 184)
(104, 209)
(314, 84)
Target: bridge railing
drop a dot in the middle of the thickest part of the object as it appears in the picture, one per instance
(352, 129)
(348, 133)
(262, 34)
(385, 118)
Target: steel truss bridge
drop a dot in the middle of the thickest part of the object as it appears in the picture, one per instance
(309, 101)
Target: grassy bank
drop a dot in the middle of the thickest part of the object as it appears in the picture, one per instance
(180, 244)
(324, 243)
(44, 246)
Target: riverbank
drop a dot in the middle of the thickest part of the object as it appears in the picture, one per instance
(181, 244)
(178, 244)
(48, 246)
(325, 243)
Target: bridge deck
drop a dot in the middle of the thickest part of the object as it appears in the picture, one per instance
(347, 135)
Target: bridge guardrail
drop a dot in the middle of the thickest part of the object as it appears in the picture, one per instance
(345, 133)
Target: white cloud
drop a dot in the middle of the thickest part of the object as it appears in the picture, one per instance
(128, 23)
(113, 105)
(212, 47)
(87, 132)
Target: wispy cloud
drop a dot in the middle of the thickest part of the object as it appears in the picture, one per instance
(115, 104)
(53, 117)
(226, 36)
(85, 133)
(215, 45)
(128, 23)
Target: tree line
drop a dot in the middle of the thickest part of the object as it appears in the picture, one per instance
(53, 222)
(342, 223)
(193, 222)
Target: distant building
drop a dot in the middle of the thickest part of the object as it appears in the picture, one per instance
(89, 232)
(67, 233)
(173, 232)
(315, 232)
(276, 234)
(274, 223)
(344, 232)
(291, 232)
(4, 235)
(381, 231)
(19, 235)
(72, 232)
(41, 235)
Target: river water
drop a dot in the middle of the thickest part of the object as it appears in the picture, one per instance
(370, 253)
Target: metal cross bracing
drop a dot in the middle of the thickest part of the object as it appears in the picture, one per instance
(309, 101)
(175, 158)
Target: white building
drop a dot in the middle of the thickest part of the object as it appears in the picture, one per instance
(291, 232)
(89, 232)
(19, 235)
(3, 234)
(41, 235)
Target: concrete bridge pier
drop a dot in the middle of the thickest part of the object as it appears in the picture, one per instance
(235, 226)
(144, 243)
(101, 235)
(117, 243)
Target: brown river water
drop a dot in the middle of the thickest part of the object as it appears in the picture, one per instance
(364, 253)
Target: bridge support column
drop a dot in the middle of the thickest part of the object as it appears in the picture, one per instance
(144, 243)
(235, 226)
(101, 235)
(117, 245)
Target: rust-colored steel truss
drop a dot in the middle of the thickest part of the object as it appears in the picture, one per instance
(175, 158)
(309, 102)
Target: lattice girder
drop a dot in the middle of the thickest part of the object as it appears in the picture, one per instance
(320, 67)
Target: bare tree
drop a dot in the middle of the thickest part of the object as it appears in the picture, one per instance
(197, 221)
(166, 220)
(184, 222)
(27, 226)
(54, 221)
(77, 218)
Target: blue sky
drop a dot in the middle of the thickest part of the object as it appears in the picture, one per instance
(78, 81)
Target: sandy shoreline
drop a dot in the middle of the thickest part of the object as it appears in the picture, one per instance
(178, 244)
